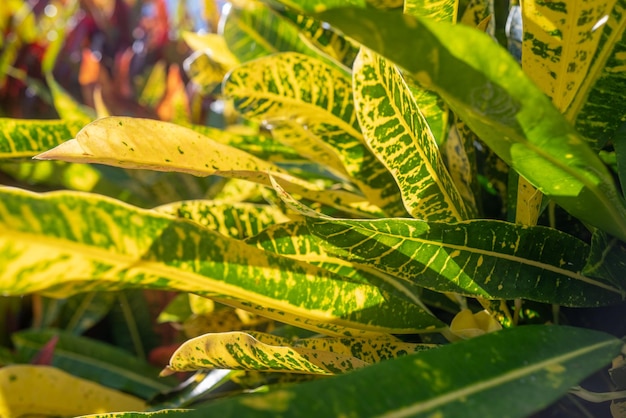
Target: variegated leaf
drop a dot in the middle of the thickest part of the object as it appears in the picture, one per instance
(63, 243)
(460, 157)
(487, 259)
(397, 132)
(314, 6)
(442, 10)
(432, 107)
(256, 351)
(149, 144)
(26, 138)
(237, 220)
(294, 88)
(499, 103)
(213, 45)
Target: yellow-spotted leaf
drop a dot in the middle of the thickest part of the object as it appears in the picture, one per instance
(26, 138)
(397, 132)
(431, 107)
(576, 53)
(44, 390)
(237, 220)
(442, 10)
(293, 239)
(149, 144)
(487, 259)
(64, 243)
(292, 87)
(477, 14)
(261, 352)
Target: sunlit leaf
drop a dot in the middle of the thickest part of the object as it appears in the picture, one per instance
(26, 138)
(292, 87)
(397, 132)
(442, 10)
(116, 246)
(45, 390)
(512, 383)
(499, 103)
(149, 144)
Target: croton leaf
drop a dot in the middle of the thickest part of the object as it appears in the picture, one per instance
(63, 243)
(499, 103)
(43, 390)
(396, 131)
(293, 87)
(445, 10)
(150, 144)
(510, 382)
(489, 259)
(26, 138)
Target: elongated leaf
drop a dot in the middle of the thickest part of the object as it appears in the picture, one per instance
(293, 87)
(149, 144)
(397, 132)
(575, 54)
(94, 360)
(26, 138)
(315, 6)
(44, 390)
(263, 352)
(499, 103)
(64, 243)
(237, 220)
(213, 45)
(509, 382)
(460, 157)
(489, 259)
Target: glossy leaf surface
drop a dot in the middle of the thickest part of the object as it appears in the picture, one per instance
(499, 103)
(25, 138)
(116, 246)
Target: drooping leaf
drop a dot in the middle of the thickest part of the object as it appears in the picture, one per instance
(499, 103)
(149, 144)
(397, 132)
(292, 87)
(116, 246)
(512, 383)
(262, 352)
(237, 220)
(26, 138)
(44, 390)
(607, 259)
(94, 360)
(488, 259)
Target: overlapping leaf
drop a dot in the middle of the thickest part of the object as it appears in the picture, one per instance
(397, 132)
(499, 103)
(575, 54)
(64, 243)
(488, 259)
(441, 10)
(509, 382)
(237, 220)
(26, 138)
(149, 144)
(294, 88)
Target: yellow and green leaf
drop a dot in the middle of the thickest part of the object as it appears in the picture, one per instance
(25, 138)
(397, 132)
(63, 243)
(441, 10)
(291, 87)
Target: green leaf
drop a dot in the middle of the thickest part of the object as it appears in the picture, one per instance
(499, 103)
(150, 144)
(94, 360)
(292, 87)
(397, 132)
(64, 243)
(237, 220)
(316, 6)
(82, 312)
(509, 382)
(488, 259)
(26, 138)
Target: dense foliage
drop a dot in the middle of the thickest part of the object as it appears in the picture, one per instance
(363, 208)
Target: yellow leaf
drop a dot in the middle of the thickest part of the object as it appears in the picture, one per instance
(30, 389)
(466, 324)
